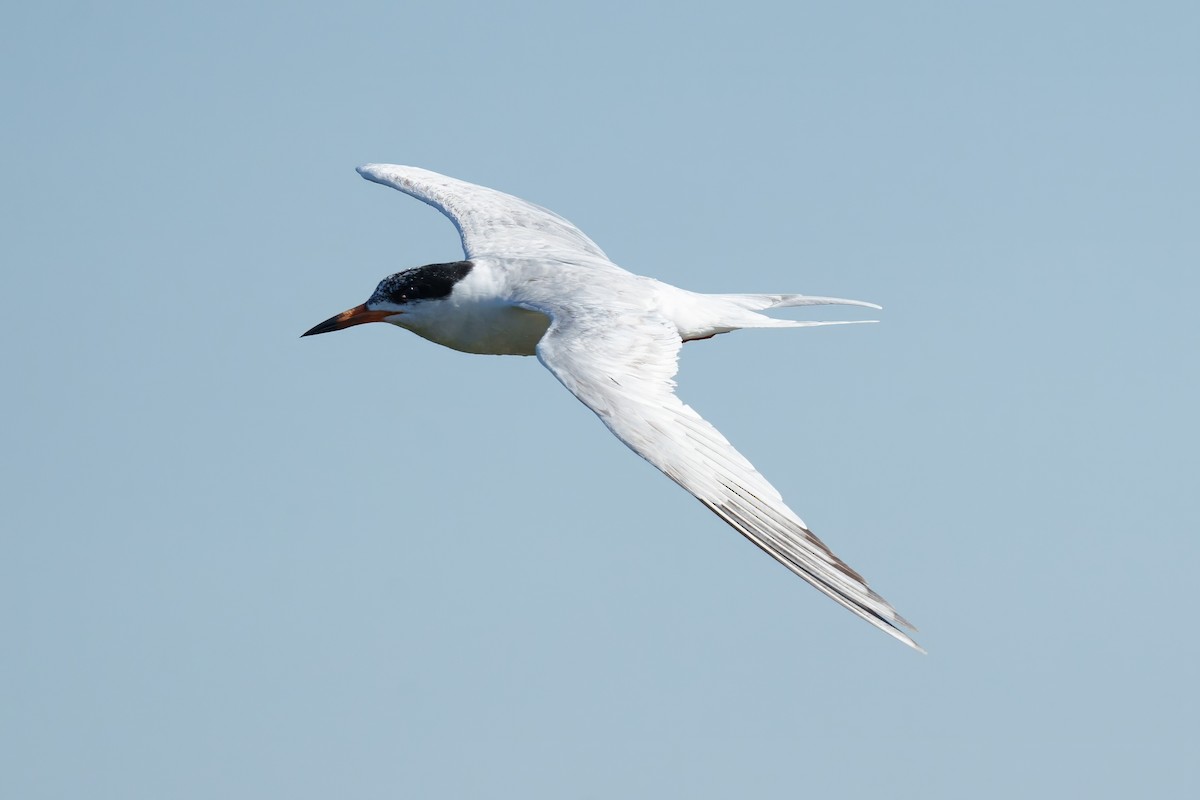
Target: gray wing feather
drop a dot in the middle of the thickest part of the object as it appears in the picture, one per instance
(490, 223)
(622, 366)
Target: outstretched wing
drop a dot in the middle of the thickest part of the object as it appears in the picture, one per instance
(490, 222)
(621, 364)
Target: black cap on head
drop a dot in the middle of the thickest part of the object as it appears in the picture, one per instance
(423, 283)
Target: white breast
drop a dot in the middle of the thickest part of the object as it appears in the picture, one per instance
(495, 328)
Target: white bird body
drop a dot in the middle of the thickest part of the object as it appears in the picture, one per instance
(493, 310)
(534, 284)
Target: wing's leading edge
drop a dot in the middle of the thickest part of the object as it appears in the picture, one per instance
(490, 222)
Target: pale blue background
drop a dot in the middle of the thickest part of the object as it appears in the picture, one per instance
(238, 564)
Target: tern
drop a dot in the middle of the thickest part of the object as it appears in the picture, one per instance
(532, 284)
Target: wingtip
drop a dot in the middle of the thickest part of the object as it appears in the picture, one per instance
(899, 628)
(896, 632)
(369, 171)
(393, 175)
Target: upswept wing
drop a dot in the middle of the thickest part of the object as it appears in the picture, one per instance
(622, 365)
(490, 223)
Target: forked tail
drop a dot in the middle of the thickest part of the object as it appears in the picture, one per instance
(731, 312)
(762, 302)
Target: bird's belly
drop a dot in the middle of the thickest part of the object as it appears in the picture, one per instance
(500, 330)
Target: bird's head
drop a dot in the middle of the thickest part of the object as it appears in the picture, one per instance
(406, 293)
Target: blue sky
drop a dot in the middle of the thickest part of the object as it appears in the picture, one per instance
(240, 564)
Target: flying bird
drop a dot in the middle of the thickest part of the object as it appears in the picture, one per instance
(533, 284)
